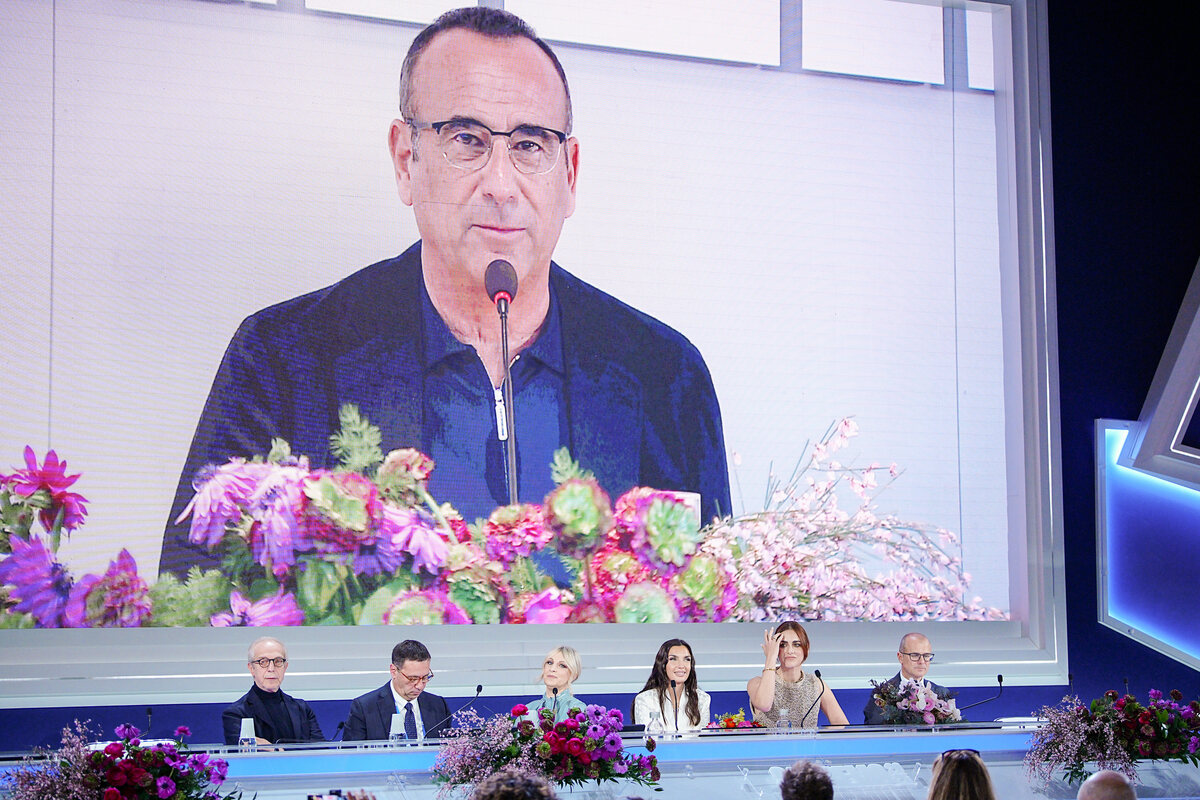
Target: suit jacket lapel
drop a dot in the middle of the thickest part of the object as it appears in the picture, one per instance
(293, 710)
(386, 706)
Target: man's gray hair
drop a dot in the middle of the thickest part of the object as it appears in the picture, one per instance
(260, 640)
(1107, 784)
(494, 23)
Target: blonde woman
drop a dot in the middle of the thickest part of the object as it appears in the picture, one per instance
(560, 669)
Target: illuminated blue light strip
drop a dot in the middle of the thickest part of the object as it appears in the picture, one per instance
(1152, 553)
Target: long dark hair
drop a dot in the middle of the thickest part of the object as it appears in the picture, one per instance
(660, 683)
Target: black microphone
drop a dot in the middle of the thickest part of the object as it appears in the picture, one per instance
(149, 715)
(554, 694)
(463, 707)
(817, 673)
(1070, 684)
(500, 280)
(675, 702)
(1000, 681)
(340, 730)
(1126, 680)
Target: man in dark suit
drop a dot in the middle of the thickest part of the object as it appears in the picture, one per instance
(278, 718)
(426, 716)
(914, 656)
(414, 341)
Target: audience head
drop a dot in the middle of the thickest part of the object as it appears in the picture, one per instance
(915, 654)
(1107, 785)
(267, 661)
(561, 668)
(805, 780)
(793, 643)
(960, 775)
(410, 668)
(512, 785)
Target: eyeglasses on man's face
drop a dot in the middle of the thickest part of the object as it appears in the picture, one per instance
(915, 657)
(263, 663)
(466, 144)
(417, 680)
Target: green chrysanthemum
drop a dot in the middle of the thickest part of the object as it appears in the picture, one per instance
(580, 513)
(671, 530)
(646, 602)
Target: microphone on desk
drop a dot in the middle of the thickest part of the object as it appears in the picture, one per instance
(1126, 681)
(500, 281)
(340, 730)
(149, 725)
(1070, 683)
(817, 674)
(554, 693)
(1000, 681)
(675, 702)
(463, 707)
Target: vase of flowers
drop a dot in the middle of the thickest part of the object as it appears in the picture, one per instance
(124, 769)
(912, 703)
(585, 747)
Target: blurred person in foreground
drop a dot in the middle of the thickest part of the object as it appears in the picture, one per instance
(960, 775)
(1106, 785)
(512, 785)
(278, 718)
(805, 780)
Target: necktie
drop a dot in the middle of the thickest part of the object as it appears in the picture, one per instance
(410, 721)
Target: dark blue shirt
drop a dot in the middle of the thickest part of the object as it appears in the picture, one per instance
(459, 416)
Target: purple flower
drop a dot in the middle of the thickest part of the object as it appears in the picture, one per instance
(595, 732)
(127, 731)
(221, 493)
(1194, 744)
(220, 770)
(620, 767)
(278, 609)
(547, 607)
(166, 787)
(410, 532)
(52, 478)
(1155, 695)
(182, 731)
(277, 534)
(40, 585)
(118, 599)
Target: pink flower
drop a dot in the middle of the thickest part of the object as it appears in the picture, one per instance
(519, 710)
(547, 607)
(276, 505)
(278, 609)
(182, 731)
(52, 478)
(221, 494)
(409, 531)
(513, 531)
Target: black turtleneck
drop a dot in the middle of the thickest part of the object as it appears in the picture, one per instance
(278, 721)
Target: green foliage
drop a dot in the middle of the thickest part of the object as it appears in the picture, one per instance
(563, 467)
(237, 562)
(357, 442)
(191, 603)
(338, 506)
(280, 451)
(481, 601)
(317, 586)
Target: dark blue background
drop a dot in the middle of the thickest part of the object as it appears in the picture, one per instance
(1124, 91)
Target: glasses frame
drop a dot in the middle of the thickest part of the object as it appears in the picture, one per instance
(915, 657)
(277, 663)
(415, 680)
(436, 127)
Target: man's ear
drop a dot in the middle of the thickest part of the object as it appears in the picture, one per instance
(400, 145)
(572, 147)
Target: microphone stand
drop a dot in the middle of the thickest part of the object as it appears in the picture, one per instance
(675, 702)
(554, 693)
(510, 440)
(463, 707)
(817, 674)
(1000, 681)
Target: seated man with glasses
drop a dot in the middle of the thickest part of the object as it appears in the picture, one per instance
(483, 153)
(426, 715)
(914, 656)
(278, 718)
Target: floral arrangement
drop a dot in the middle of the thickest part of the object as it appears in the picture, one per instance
(122, 770)
(1114, 732)
(914, 704)
(738, 720)
(586, 746)
(366, 543)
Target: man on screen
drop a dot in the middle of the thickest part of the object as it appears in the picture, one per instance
(425, 715)
(483, 154)
(278, 718)
(915, 655)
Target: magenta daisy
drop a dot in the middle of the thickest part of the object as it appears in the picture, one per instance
(52, 478)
